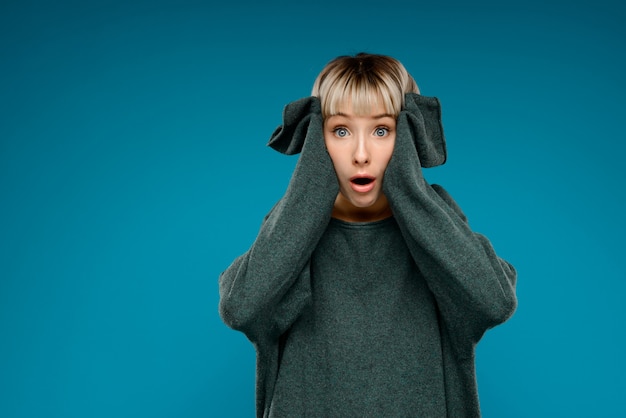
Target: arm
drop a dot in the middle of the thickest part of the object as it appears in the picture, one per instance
(263, 290)
(474, 288)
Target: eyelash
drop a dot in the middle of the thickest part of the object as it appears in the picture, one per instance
(339, 128)
(382, 128)
(343, 128)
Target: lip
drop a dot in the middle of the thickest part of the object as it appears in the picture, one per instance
(362, 188)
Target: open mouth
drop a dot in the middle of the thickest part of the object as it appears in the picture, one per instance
(362, 181)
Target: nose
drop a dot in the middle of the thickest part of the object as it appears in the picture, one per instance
(361, 154)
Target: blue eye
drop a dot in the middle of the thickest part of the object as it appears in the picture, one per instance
(341, 132)
(381, 131)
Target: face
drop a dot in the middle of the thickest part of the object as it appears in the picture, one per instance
(360, 148)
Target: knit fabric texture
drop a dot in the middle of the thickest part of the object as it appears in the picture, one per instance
(379, 319)
(369, 342)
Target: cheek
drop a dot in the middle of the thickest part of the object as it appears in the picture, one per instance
(330, 147)
(336, 162)
(385, 153)
(337, 154)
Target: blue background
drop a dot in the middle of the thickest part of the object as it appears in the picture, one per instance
(134, 169)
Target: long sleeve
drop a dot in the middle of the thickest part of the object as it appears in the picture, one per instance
(263, 290)
(474, 288)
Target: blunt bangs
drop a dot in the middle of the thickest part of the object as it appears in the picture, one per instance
(363, 82)
(362, 96)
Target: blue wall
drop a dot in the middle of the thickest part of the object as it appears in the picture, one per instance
(133, 169)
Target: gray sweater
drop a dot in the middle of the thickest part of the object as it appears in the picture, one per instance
(375, 319)
(369, 343)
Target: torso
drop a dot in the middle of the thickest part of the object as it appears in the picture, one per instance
(369, 343)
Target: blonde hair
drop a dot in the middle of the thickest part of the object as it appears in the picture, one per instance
(363, 80)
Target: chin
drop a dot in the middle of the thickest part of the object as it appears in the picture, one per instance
(364, 203)
(360, 201)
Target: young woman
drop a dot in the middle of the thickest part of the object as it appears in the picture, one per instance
(365, 291)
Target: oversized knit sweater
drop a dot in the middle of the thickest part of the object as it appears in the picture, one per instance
(375, 319)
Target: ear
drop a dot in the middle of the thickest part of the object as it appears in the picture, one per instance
(289, 137)
(424, 118)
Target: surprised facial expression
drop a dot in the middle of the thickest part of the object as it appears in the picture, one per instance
(360, 147)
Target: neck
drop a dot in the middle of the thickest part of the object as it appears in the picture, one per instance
(346, 211)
